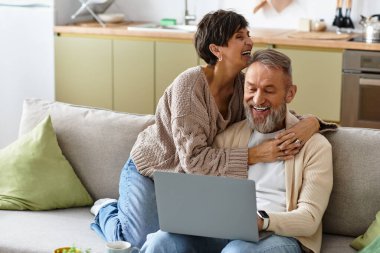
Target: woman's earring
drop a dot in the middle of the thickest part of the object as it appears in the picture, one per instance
(220, 58)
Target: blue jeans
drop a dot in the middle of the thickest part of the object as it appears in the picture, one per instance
(134, 215)
(163, 242)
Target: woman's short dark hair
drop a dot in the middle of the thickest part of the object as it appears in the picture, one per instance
(216, 28)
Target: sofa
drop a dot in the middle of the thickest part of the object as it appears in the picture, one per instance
(97, 142)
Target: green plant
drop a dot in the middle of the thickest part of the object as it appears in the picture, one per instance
(73, 249)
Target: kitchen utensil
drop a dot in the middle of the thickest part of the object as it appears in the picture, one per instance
(371, 26)
(112, 17)
(280, 5)
(93, 7)
(338, 20)
(319, 25)
(259, 6)
(347, 22)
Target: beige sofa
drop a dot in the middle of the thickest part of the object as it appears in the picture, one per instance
(97, 144)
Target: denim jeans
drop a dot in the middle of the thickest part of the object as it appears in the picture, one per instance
(134, 215)
(163, 242)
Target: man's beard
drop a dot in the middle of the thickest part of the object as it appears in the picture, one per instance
(273, 122)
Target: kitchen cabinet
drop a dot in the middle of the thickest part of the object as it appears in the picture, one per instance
(172, 58)
(317, 72)
(318, 76)
(123, 74)
(84, 71)
(133, 74)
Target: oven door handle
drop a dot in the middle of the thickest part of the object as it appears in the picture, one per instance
(367, 81)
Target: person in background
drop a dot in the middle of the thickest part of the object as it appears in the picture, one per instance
(292, 195)
(200, 103)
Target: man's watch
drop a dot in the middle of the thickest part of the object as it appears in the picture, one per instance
(263, 215)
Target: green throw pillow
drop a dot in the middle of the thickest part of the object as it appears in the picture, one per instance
(35, 175)
(373, 247)
(372, 232)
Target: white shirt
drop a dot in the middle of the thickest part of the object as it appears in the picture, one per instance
(269, 179)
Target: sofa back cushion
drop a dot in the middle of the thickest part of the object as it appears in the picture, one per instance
(355, 198)
(96, 142)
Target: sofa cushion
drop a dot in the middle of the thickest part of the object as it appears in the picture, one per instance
(44, 231)
(355, 198)
(36, 176)
(336, 244)
(96, 142)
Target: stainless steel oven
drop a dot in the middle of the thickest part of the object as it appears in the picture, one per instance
(360, 104)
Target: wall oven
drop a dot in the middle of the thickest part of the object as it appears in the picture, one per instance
(360, 104)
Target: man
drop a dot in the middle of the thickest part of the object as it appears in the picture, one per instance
(293, 194)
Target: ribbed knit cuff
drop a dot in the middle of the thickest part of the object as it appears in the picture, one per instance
(327, 126)
(140, 162)
(237, 164)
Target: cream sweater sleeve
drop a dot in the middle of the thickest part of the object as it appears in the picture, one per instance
(312, 184)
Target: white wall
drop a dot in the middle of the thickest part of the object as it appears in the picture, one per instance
(153, 10)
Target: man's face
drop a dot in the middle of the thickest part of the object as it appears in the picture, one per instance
(266, 93)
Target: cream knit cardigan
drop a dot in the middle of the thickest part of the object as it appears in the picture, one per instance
(308, 180)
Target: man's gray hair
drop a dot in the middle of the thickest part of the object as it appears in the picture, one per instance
(274, 60)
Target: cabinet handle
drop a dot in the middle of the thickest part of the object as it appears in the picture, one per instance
(372, 82)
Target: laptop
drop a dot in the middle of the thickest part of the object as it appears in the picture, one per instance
(209, 206)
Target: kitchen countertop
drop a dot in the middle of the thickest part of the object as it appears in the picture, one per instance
(259, 35)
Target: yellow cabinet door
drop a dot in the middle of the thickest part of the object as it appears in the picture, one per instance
(134, 76)
(318, 76)
(172, 58)
(83, 71)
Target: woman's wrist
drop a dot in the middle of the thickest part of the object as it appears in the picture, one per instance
(251, 155)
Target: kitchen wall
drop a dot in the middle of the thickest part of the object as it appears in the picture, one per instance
(153, 10)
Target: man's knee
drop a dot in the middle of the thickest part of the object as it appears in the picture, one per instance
(235, 246)
(158, 242)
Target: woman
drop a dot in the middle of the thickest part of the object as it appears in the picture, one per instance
(200, 103)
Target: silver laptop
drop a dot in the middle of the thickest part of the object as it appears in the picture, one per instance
(209, 206)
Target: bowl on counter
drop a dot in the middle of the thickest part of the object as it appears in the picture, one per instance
(112, 17)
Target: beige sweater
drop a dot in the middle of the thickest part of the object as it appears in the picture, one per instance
(308, 180)
(186, 123)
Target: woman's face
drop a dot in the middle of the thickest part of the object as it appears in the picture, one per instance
(238, 49)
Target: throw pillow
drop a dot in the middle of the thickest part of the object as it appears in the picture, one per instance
(372, 232)
(34, 174)
(373, 247)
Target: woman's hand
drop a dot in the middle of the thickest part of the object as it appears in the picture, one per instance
(271, 150)
(299, 133)
(286, 144)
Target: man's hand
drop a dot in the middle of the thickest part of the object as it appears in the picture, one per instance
(260, 223)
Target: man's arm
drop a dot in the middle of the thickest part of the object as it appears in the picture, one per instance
(315, 180)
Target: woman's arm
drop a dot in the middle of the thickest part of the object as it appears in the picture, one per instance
(301, 131)
(286, 144)
(289, 142)
(191, 135)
